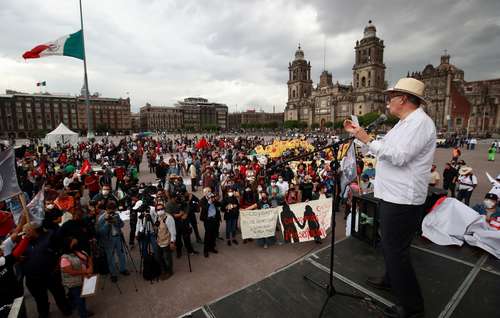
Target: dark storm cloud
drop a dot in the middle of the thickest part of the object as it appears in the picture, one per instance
(238, 52)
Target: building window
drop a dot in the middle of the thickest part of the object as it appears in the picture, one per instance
(363, 81)
(458, 122)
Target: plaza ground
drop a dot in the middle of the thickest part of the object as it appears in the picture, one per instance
(231, 269)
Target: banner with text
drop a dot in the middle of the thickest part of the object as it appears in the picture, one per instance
(258, 223)
(306, 221)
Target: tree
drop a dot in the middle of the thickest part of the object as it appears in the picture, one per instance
(315, 125)
(329, 124)
(368, 118)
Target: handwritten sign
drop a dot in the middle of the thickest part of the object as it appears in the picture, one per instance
(258, 223)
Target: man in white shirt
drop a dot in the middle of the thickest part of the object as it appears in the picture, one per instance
(467, 182)
(404, 160)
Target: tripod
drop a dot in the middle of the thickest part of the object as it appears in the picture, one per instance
(335, 165)
(126, 250)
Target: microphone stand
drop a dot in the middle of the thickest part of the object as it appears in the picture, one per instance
(335, 165)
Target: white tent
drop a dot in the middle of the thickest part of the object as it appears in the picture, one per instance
(63, 135)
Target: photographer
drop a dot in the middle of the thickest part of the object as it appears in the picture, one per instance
(193, 208)
(109, 230)
(210, 215)
(176, 207)
(145, 228)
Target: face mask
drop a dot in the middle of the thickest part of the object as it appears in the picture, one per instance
(160, 212)
(2, 261)
(280, 180)
(259, 188)
(50, 206)
(105, 192)
(273, 184)
(489, 204)
(230, 194)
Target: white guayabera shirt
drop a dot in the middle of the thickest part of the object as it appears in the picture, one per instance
(404, 160)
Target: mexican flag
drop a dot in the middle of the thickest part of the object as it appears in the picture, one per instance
(68, 45)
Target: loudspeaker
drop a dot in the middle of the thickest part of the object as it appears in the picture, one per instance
(365, 213)
(365, 218)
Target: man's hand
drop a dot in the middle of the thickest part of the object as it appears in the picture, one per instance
(357, 131)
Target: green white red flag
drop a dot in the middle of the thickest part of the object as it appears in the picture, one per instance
(68, 45)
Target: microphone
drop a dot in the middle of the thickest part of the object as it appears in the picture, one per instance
(379, 121)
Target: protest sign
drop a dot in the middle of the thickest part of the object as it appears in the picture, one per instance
(258, 223)
(305, 221)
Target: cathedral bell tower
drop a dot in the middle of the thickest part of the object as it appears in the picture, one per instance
(299, 77)
(369, 72)
(300, 87)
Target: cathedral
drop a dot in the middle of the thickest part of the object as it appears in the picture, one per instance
(328, 103)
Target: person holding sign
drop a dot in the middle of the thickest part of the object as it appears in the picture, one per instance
(404, 160)
(75, 265)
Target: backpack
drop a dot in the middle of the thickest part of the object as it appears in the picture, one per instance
(164, 236)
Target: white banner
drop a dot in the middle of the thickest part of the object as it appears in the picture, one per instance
(258, 223)
(306, 221)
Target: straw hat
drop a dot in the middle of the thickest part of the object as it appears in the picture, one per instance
(410, 86)
(465, 170)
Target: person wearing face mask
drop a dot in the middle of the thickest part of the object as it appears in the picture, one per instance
(282, 185)
(231, 209)
(307, 188)
(75, 265)
(105, 196)
(263, 203)
(210, 216)
(165, 240)
(488, 207)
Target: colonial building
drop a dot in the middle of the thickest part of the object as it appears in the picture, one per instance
(329, 102)
(135, 122)
(107, 114)
(160, 118)
(252, 117)
(456, 105)
(199, 114)
(25, 115)
(192, 113)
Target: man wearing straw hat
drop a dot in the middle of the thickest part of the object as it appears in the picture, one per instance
(404, 160)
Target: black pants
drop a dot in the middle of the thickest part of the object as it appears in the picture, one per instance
(194, 224)
(133, 226)
(39, 288)
(211, 232)
(464, 195)
(398, 224)
(450, 186)
(183, 235)
(193, 184)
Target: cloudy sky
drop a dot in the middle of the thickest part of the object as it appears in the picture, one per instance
(234, 51)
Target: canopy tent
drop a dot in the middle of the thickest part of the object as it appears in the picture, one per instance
(63, 135)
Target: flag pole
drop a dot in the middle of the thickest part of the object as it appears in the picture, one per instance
(90, 132)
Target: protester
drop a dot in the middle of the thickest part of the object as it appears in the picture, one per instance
(489, 207)
(467, 182)
(231, 208)
(166, 240)
(450, 177)
(75, 265)
(210, 216)
(434, 178)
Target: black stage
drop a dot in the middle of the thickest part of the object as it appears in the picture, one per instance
(456, 282)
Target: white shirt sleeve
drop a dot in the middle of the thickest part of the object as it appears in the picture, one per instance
(169, 221)
(398, 154)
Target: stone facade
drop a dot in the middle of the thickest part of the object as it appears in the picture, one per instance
(160, 118)
(458, 106)
(108, 114)
(25, 115)
(329, 102)
(236, 120)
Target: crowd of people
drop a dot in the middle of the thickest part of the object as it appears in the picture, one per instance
(97, 208)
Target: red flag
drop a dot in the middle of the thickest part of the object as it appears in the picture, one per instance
(62, 158)
(42, 168)
(65, 203)
(85, 167)
(202, 144)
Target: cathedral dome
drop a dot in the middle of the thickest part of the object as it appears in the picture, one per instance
(299, 54)
(370, 30)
